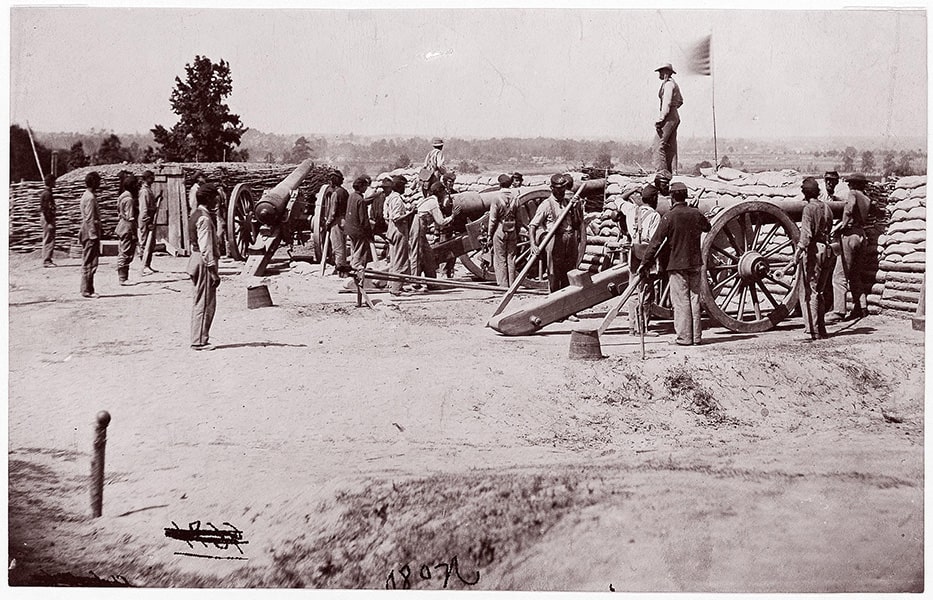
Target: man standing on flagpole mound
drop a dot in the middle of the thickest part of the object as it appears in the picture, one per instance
(668, 118)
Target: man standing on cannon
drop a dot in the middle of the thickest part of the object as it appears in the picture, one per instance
(202, 267)
(681, 228)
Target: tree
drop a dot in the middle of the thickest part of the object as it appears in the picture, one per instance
(848, 158)
(77, 157)
(903, 166)
(402, 162)
(300, 151)
(22, 159)
(868, 161)
(889, 165)
(206, 129)
(111, 151)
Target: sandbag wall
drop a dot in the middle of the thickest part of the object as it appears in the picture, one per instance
(902, 248)
(26, 231)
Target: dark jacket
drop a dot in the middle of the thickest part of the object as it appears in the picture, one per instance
(357, 221)
(682, 227)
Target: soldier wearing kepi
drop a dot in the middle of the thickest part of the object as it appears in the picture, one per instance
(47, 219)
(813, 256)
(202, 267)
(562, 251)
(127, 226)
(503, 233)
(89, 234)
(847, 276)
(681, 228)
(668, 118)
(148, 205)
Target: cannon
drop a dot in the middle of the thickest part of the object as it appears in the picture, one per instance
(255, 230)
(470, 231)
(748, 242)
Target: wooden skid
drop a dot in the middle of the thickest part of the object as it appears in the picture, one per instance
(584, 291)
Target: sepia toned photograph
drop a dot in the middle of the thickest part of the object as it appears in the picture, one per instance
(534, 299)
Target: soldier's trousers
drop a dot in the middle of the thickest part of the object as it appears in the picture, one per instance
(90, 258)
(398, 252)
(504, 247)
(205, 300)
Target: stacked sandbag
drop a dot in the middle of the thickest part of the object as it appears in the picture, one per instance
(902, 249)
(26, 231)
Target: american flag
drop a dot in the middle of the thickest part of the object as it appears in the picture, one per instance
(700, 62)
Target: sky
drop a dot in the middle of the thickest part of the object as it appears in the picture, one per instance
(477, 72)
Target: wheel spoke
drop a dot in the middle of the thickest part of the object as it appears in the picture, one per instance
(741, 312)
(768, 295)
(722, 284)
(758, 227)
(731, 236)
(723, 267)
(731, 295)
(778, 248)
(767, 239)
(754, 294)
(748, 230)
(731, 257)
(778, 281)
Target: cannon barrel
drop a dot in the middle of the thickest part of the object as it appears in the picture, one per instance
(270, 209)
(474, 205)
(793, 207)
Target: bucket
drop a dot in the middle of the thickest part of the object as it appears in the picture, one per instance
(258, 297)
(584, 344)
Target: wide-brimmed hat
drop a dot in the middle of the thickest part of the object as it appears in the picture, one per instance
(857, 178)
(559, 180)
(437, 142)
(668, 67)
(831, 175)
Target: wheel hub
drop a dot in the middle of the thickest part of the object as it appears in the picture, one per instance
(753, 266)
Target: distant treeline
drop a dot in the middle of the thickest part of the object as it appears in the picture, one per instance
(464, 155)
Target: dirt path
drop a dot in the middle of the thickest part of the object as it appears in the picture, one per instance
(347, 442)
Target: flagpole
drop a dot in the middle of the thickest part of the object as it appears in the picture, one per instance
(712, 73)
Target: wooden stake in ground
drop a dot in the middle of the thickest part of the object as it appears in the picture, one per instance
(324, 250)
(533, 257)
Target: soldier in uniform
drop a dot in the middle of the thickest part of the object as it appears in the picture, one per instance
(148, 205)
(47, 220)
(398, 219)
(126, 226)
(563, 249)
(503, 234)
(847, 275)
(89, 234)
(202, 267)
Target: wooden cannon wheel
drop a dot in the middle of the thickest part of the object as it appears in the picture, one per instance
(537, 278)
(747, 243)
(241, 228)
(317, 228)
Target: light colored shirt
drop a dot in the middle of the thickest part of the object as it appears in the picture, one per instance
(206, 238)
(147, 203)
(394, 207)
(670, 97)
(641, 221)
(435, 160)
(549, 210)
(431, 206)
(501, 210)
(90, 217)
(193, 197)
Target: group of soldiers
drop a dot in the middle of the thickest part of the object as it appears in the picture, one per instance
(137, 206)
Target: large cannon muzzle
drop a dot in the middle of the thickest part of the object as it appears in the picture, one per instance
(271, 207)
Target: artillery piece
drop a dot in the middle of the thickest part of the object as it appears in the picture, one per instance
(748, 242)
(255, 230)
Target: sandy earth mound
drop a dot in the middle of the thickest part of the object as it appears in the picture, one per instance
(364, 448)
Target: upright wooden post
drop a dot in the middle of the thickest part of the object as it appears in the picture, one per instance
(97, 463)
(917, 321)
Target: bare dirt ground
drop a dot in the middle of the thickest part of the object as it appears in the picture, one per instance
(346, 443)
